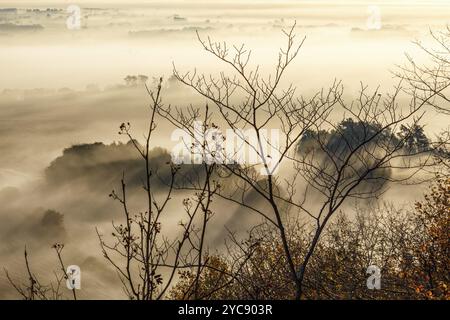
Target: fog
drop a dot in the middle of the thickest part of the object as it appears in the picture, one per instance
(61, 87)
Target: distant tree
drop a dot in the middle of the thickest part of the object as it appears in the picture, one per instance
(429, 274)
(347, 135)
(414, 138)
(52, 225)
(133, 81)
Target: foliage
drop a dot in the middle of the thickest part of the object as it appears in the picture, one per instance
(411, 247)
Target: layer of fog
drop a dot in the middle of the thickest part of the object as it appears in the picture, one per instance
(84, 102)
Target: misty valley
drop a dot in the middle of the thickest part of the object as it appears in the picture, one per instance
(229, 150)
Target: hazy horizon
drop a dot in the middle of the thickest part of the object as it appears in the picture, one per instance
(63, 87)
